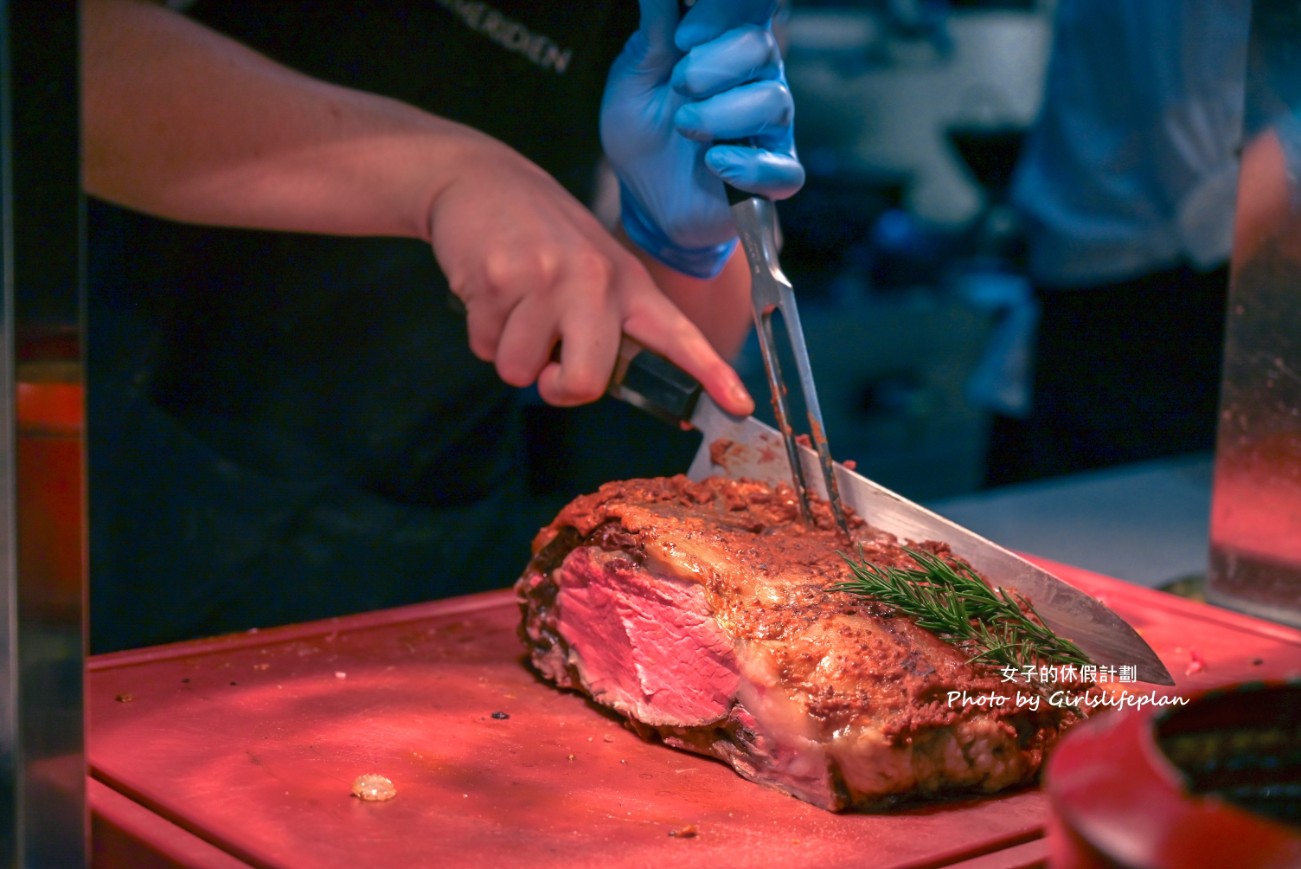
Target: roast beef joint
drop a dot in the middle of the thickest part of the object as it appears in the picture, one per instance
(705, 614)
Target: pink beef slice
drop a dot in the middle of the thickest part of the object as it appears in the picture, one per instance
(645, 645)
(702, 613)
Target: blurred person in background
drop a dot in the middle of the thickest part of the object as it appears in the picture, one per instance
(287, 418)
(1127, 187)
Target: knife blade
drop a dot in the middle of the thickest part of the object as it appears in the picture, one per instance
(745, 447)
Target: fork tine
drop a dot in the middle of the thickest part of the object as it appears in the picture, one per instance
(781, 410)
(770, 291)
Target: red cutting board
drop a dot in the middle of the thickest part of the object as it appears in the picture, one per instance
(242, 750)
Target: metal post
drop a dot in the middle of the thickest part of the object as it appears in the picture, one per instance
(1255, 562)
(43, 818)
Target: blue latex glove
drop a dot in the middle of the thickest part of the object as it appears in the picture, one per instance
(676, 90)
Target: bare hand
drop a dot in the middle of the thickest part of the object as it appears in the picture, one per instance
(538, 273)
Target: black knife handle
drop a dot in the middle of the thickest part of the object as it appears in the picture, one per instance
(652, 383)
(643, 379)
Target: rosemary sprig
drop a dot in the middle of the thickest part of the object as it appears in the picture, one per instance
(960, 607)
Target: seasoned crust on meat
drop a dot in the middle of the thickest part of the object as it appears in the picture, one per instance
(702, 612)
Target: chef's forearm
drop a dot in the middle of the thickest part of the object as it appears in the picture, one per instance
(182, 122)
(720, 307)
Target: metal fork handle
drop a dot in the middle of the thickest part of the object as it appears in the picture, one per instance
(756, 224)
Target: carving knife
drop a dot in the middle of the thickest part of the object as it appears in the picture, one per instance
(744, 447)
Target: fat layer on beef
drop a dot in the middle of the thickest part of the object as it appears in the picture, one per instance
(701, 611)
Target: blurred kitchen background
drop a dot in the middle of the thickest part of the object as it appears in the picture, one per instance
(909, 118)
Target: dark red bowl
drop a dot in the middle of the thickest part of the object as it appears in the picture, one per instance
(1215, 782)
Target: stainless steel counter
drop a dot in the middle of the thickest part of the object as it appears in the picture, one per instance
(1145, 523)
